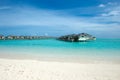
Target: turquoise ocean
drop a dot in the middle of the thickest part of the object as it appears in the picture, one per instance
(51, 48)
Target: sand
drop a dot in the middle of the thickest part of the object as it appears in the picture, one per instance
(13, 69)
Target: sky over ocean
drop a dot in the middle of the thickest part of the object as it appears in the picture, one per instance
(100, 18)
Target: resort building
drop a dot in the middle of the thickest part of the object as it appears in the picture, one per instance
(84, 37)
(77, 37)
(10, 37)
(21, 37)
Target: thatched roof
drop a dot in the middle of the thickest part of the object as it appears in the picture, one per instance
(76, 37)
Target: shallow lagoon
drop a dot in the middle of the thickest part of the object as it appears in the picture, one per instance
(54, 48)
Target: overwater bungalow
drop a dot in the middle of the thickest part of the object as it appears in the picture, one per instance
(17, 37)
(27, 37)
(10, 37)
(2, 37)
(13, 37)
(84, 37)
(77, 37)
(30, 37)
(21, 37)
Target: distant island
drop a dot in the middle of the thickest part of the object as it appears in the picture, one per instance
(70, 38)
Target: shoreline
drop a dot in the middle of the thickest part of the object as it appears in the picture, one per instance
(61, 56)
(70, 59)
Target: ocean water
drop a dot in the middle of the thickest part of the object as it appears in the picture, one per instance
(52, 47)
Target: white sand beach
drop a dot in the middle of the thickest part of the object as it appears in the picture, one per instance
(13, 69)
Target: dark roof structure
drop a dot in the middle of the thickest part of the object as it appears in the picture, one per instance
(77, 37)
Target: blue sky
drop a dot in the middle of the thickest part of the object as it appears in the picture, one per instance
(100, 18)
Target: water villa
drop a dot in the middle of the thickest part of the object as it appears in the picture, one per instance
(2, 37)
(70, 38)
(12, 37)
(77, 37)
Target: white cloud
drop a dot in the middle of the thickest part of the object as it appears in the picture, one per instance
(102, 5)
(104, 14)
(40, 17)
(28, 16)
(112, 11)
(112, 3)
